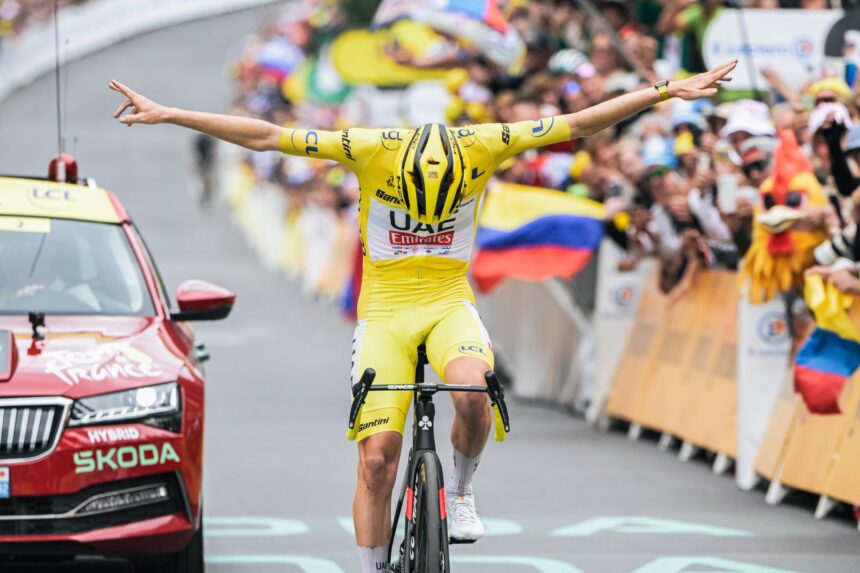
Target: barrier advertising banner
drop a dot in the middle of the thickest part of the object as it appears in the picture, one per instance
(792, 43)
(618, 295)
(763, 364)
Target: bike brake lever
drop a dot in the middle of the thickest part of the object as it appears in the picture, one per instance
(359, 392)
(497, 397)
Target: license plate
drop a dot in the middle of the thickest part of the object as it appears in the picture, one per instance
(4, 483)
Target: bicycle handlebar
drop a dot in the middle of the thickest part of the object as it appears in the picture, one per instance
(365, 384)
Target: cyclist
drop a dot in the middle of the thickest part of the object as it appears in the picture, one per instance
(420, 190)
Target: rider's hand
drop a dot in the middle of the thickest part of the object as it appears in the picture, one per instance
(702, 85)
(143, 110)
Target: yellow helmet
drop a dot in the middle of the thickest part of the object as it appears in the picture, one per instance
(431, 174)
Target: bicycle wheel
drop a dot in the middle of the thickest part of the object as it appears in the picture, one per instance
(426, 529)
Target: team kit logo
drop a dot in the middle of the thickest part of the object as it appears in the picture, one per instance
(393, 233)
(407, 232)
(541, 127)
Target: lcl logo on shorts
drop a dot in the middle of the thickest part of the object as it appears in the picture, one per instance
(471, 349)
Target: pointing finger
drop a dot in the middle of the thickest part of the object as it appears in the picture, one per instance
(122, 107)
(123, 89)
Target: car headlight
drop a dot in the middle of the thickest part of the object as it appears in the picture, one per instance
(157, 406)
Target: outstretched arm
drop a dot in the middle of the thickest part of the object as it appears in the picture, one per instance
(591, 120)
(253, 134)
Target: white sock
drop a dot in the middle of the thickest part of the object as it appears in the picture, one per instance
(373, 559)
(460, 481)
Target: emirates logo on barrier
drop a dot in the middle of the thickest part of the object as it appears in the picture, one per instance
(411, 239)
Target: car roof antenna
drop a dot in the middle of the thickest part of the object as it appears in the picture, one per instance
(63, 168)
(37, 321)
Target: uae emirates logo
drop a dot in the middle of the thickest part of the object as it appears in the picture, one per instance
(410, 239)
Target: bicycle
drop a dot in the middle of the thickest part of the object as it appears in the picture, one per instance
(425, 544)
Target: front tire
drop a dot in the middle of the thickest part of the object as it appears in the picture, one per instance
(427, 532)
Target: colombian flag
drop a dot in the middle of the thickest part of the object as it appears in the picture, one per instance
(534, 234)
(352, 289)
(832, 353)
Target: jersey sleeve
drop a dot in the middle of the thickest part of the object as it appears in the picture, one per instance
(505, 140)
(352, 148)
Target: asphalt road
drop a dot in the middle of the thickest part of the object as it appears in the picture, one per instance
(558, 497)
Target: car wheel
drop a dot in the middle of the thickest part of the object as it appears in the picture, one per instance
(189, 560)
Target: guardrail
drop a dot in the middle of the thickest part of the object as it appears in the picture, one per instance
(95, 26)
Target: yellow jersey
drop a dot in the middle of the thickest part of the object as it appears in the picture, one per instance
(393, 244)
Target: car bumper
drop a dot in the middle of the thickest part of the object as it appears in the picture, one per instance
(167, 534)
(113, 490)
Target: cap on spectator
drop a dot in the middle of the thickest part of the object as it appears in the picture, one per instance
(751, 117)
(684, 144)
(756, 148)
(566, 61)
(852, 142)
(621, 82)
(686, 112)
(821, 112)
(722, 111)
(835, 85)
(657, 152)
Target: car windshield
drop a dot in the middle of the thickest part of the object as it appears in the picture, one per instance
(59, 266)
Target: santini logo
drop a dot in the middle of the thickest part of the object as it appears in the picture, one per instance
(373, 424)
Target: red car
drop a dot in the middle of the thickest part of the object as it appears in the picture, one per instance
(101, 385)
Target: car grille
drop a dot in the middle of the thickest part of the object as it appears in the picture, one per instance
(43, 515)
(30, 427)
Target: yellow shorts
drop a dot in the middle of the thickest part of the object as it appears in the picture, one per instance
(395, 317)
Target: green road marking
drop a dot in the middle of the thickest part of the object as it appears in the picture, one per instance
(645, 525)
(307, 564)
(537, 563)
(494, 526)
(497, 527)
(253, 527)
(347, 524)
(680, 564)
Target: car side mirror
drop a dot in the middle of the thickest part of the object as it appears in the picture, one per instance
(201, 300)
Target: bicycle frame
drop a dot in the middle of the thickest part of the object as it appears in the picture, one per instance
(424, 417)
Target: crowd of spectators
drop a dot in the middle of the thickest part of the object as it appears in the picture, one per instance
(17, 15)
(685, 175)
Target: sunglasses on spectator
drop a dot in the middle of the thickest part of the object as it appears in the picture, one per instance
(658, 172)
(826, 99)
(757, 165)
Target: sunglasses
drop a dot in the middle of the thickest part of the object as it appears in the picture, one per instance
(825, 99)
(757, 165)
